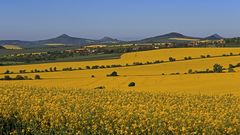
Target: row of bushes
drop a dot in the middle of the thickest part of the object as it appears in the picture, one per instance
(20, 77)
(171, 59)
(33, 71)
(217, 68)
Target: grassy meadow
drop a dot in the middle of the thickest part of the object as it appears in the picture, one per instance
(12, 47)
(86, 101)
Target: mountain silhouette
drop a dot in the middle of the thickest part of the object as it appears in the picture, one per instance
(214, 37)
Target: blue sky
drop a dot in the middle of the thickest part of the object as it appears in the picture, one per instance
(123, 19)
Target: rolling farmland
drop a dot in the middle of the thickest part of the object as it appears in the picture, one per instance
(166, 99)
(146, 76)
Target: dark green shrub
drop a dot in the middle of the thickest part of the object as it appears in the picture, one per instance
(131, 84)
(95, 67)
(148, 63)
(137, 63)
(202, 56)
(157, 61)
(7, 77)
(100, 87)
(51, 69)
(19, 77)
(190, 71)
(22, 71)
(102, 66)
(217, 68)
(37, 77)
(171, 59)
(7, 72)
(114, 73)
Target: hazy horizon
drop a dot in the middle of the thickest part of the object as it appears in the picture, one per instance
(125, 20)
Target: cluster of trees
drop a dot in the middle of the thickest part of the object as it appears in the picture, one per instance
(217, 68)
(188, 58)
(102, 66)
(39, 71)
(207, 56)
(137, 63)
(175, 73)
(51, 69)
(146, 63)
(33, 57)
(234, 66)
(230, 54)
(54, 55)
(22, 71)
(20, 77)
(171, 59)
(233, 40)
(70, 69)
(8, 72)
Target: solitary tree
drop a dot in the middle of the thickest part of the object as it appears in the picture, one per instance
(190, 71)
(217, 68)
(88, 67)
(37, 77)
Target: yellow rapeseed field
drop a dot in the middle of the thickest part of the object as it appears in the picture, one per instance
(145, 76)
(28, 110)
(89, 102)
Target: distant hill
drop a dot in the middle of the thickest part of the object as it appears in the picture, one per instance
(167, 37)
(108, 40)
(214, 37)
(63, 39)
(66, 40)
